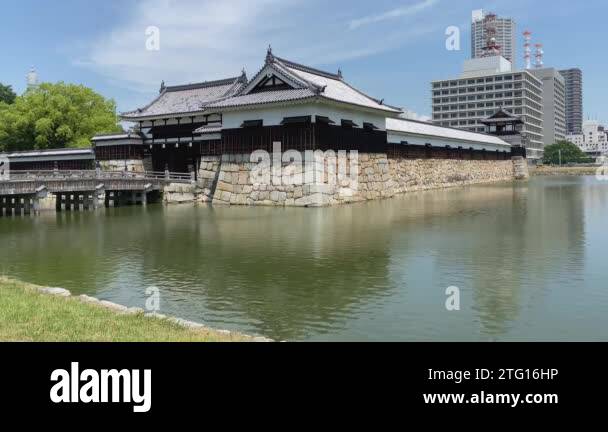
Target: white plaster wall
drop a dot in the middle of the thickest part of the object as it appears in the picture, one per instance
(185, 120)
(398, 137)
(275, 115)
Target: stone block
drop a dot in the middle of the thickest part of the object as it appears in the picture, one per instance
(225, 187)
(60, 292)
(243, 178)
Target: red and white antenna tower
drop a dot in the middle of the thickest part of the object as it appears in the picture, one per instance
(490, 31)
(540, 53)
(528, 49)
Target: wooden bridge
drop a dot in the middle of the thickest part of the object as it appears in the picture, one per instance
(22, 191)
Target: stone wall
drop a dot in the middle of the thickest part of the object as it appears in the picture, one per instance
(378, 177)
(423, 174)
(180, 193)
(208, 174)
(520, 168)
(132, 165)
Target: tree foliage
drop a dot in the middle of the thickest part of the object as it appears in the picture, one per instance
(7, 95)
(55, 116)
(570, 153)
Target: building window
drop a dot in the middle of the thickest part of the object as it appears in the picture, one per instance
(348, 123)
(252, 123)
(324, 120)
(296, 120)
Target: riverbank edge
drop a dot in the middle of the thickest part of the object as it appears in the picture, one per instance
(191, 328)
(565, 171)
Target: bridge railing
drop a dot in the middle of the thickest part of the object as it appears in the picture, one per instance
(47, 175)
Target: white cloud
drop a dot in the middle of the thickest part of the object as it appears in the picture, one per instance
(209, 39)
(393, 14)
(199, 40)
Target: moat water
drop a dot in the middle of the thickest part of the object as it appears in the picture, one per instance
(530, 261)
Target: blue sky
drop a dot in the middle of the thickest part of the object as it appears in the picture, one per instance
(391, 49)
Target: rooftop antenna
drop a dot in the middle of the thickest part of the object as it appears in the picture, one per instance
(528, 49)
(490, 31)
(540, 53)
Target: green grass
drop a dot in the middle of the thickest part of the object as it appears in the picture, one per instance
(31, 316)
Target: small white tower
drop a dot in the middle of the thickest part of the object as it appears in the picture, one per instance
(32, 79)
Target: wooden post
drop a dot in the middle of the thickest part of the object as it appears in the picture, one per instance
(27, 205)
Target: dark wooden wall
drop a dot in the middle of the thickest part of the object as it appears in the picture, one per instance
(326, 137)
(301, 138)
(119, 152)
(180, 159)
(61, 165)
(408, 151)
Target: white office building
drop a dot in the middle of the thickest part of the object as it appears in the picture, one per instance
(486, 85)
(593, 140)
(554, 104)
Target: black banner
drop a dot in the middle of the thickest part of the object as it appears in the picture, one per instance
(241, 380)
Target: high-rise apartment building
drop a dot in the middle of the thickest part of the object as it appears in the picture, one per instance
(505, 36)
(574, 100)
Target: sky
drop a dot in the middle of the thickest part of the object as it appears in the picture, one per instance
(391, 49)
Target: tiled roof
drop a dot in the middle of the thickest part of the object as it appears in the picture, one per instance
(188, 98)
(50, 152)
(428, 129)
(335, 88)
(264, 98)
(208, 129)
(114, 136)
(307, 83)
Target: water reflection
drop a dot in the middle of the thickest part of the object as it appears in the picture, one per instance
(373, 271)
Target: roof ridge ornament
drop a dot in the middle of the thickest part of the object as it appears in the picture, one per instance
(162, 86)
(243, 77)
(269, 55)
(340, 73)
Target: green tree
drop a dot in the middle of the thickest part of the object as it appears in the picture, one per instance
(7, 95)
(570, 153)
(55, 116)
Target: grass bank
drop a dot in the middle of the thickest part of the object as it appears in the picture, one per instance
(27, 314)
